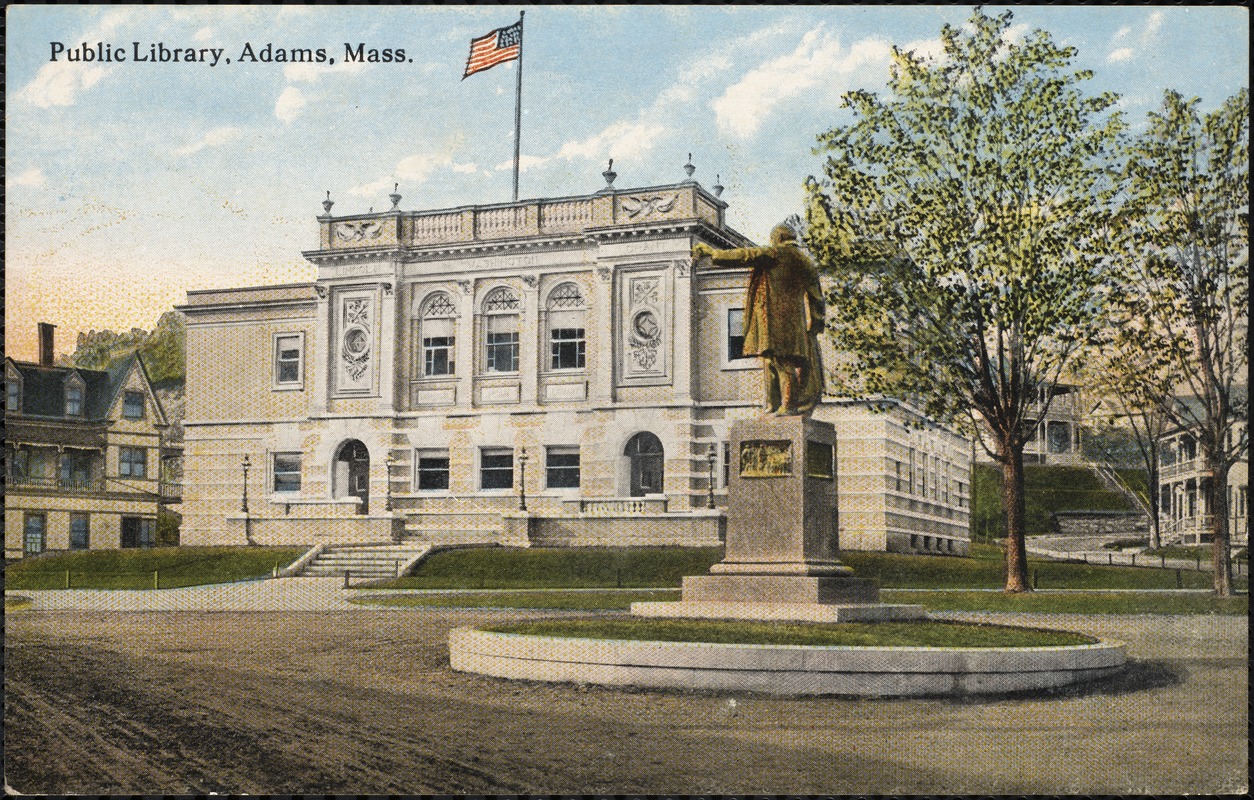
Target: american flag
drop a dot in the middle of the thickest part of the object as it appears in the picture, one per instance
(502, 44)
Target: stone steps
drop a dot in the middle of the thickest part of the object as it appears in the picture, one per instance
(365, 562)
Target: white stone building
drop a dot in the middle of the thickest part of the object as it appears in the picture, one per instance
(448, 367)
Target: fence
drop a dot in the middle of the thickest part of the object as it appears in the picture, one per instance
(1112, 559)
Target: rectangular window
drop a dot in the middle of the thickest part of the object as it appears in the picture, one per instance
(132, 462)
(33, 533)
(735, 333)
(288, 359)
(133, 405)
(567, 348)
(496, 469)
(74, 401)
(502, 343)
(726, 463)
(13, 391)
(437, 355)
(562, 466)
(433, 470)
(287, 472)
(138, 532)
(79, 533)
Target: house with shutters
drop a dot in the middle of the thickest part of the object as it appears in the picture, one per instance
(544, 372)
(83, 454)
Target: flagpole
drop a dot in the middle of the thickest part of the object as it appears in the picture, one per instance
(518, 103)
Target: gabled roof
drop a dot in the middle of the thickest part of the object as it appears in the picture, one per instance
(43, 388)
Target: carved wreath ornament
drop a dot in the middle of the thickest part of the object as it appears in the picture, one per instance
(645, 337)
(644, 206)
(359, 231)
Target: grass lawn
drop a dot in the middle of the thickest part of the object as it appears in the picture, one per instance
(133, 569)
(664, 567)
(574, 601)
(882, 634)
(16, 603)
(1075, 602)
(558, 568)
(1048, 489)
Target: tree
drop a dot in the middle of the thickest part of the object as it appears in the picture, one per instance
(960, 219)
(1186, 290)
(164, 350)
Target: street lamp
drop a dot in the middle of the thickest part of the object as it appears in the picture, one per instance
(245, 464)
(387, 503)
(248, 535)
(522, 479)
(710, 458)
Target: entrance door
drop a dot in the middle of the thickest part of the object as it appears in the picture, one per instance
(34, 537)
(353, 466)
(645, 453)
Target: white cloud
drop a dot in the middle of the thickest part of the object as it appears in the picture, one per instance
(1144, 41)
(31, 177)
(290, 104)
(1119, 54)
(1152, 27)
(310, 72)
(817, 60)
(204, 34)
(213, 138)
(59, 82)
(414, 170)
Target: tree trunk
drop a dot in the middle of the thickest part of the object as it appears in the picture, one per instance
(1221, 553)
(1155, 517)
(1015, 502)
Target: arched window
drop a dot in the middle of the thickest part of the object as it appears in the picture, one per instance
(647, 458)
(436, 336)
(500, 328)
(566, 313)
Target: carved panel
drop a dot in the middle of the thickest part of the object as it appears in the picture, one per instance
(641, 206)
(356, 351)
(645, 325)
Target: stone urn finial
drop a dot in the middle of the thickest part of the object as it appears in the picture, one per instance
(326, 204)
(395, 197)
(689, 168)
(717, 187)
(609, 175)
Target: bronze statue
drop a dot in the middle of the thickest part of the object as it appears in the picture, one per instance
(784, 312)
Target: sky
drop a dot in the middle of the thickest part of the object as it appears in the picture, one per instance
(128, 183)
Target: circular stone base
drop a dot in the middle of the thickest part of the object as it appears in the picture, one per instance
(782, 669)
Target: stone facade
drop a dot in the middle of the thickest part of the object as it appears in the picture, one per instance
(83, 456)
(443, 359)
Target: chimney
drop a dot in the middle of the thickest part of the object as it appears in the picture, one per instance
(45, 344)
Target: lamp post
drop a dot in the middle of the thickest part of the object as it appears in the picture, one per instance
(248, 535)
(245, 464)
(387, 503)
(710, 458)
(522, 479)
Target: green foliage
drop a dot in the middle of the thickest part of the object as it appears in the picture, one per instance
(133, 569)
(855, 634)
(16, 603)
(558, 567)
(1076, 603)
(168, 523)
(1048, 489)
(163, 350)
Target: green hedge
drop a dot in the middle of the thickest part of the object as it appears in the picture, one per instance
(133, 569)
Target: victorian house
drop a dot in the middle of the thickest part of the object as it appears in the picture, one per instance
(83, 452)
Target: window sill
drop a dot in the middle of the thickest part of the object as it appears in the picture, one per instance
(287, 387)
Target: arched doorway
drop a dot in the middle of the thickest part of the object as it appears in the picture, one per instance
(644, 450)
(352, 473)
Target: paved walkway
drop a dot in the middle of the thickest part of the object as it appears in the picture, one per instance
(274, 594)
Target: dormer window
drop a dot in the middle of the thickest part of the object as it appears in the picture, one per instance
(73, 401)
(13, 395)
(133, 405)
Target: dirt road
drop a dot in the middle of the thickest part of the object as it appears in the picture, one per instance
(364, 702)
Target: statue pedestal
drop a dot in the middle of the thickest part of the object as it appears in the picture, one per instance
(780, 560)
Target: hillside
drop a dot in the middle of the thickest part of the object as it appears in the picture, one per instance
(1049, 489)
